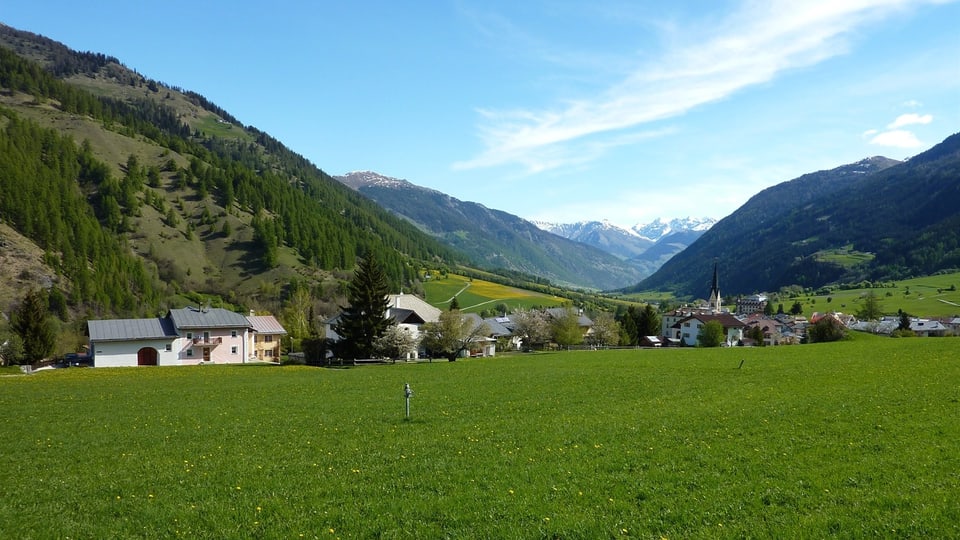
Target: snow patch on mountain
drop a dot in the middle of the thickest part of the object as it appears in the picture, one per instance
(658, 228)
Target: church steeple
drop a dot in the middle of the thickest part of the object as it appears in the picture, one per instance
(715, 299)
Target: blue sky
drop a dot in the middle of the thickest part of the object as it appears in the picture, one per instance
(554, 110)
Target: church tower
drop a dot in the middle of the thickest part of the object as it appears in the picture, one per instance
(715, 301)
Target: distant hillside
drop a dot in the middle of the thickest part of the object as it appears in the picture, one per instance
(666, 248)
(877, 219)
(495, 239)
(152, 191)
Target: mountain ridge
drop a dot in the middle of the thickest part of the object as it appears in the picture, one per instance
(493, 238)
(872, 220)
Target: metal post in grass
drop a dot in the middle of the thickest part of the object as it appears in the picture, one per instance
(407, 394)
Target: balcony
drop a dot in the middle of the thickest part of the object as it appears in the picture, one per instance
(207, 342)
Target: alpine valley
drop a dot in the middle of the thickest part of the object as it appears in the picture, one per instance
(122, 195)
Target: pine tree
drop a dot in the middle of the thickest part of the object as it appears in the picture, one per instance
(648, 323)
(364, 320)
(32, 323)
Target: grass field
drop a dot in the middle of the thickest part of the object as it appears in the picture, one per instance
(851, 439)
(925, 297)
(475, 295)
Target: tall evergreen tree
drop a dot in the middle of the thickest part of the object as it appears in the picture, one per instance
(648, 323)
(365, 319)
(31, 321)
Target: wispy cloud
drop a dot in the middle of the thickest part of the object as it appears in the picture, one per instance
(751, 46)
(896, 138)
(910, 119)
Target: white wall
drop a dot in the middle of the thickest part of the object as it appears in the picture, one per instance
(124, 353)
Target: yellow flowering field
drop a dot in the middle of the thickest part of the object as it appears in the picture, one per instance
(849, 439)
(477, 294)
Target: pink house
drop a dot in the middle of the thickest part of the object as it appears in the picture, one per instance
(211, 335)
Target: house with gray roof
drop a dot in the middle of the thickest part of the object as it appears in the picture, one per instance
(265, 337)
(191, 335)
(407, 311)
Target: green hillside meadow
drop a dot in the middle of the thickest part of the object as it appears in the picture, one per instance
(475, 295)
(852, 439)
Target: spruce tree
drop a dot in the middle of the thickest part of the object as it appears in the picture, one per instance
(364, 320)
(31, 321)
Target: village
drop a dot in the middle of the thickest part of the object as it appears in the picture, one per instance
(205, 335)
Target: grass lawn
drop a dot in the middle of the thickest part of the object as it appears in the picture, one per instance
(851, 439)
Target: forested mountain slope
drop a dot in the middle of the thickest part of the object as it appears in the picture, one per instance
(137, 191)
(495, 239)
(874, 220)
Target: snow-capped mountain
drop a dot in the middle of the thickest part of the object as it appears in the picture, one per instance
(658, 228)
(621, 242)
(646, 245)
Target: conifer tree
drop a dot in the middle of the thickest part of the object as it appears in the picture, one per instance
(32, 323)
(364, 320)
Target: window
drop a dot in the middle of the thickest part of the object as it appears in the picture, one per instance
(256, 338)
(168, 347)
(267, 339)
(189, 352)
(268, 353)
(189, 335)
(233, 350)
(233, 333)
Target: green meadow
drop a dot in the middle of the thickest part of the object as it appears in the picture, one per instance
(851, 439)
(929, 296)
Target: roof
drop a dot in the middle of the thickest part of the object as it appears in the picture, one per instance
(130, 329)
(404, 316)
(408, 301)
(498, 326)
(192, 317)
(726, 319)
(265, 324)
(557, 312)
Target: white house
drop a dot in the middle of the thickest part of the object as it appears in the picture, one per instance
(688, 330)
(185, 336)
